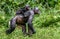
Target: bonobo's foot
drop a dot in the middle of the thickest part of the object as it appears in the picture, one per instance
(8, 31)
(34, 32)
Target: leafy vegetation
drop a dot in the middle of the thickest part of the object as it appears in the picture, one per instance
(47, 24)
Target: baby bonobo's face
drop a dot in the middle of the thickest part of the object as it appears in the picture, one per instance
(27, 7)
(36, 10)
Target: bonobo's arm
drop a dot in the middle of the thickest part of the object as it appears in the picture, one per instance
(30, 25)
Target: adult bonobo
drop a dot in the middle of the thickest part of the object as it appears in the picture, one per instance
(22, 20)
(23, 10)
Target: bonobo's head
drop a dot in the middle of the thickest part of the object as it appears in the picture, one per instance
(36, 10)
(27, 7)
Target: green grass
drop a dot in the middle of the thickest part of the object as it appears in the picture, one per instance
(47, 25)
(47, 17)
(41, 33)
(52, 31)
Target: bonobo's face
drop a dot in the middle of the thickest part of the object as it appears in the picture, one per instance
(27, 7)
(36, 10)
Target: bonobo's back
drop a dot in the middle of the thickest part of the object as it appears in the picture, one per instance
(20, 19)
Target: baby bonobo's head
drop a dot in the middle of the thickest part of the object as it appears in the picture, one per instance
(27, 7)
(36, 10)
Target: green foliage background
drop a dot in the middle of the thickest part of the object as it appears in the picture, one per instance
(47, 24)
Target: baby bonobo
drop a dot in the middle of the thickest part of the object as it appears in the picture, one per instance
(23, 10)
(22, 20)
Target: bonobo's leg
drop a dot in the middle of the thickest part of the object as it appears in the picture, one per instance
(29, 31)
(30, 25)
(12, 26)
(24, 29)
(30, 28)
